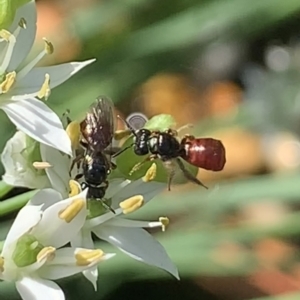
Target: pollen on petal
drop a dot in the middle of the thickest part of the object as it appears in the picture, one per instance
(73, 131)
(164, 223)
(45, 90)
(49, 49)
(86, 257)
(1, 264)
(70, 212)
(41, 165)
(8, 82)
(151, 173)
(47, 253)
(75, 188)
(131, 204)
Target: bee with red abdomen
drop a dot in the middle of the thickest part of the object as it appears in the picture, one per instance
(206, 153)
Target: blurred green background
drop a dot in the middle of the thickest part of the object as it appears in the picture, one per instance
(231, 67)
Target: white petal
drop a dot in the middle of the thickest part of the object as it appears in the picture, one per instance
(115, 185)
(17, 171)
(56, 232)
(84, 240)
(92, 276)
(138, 244)
(26, 36)
(46, 198)
(38, 121)
(58, 174)
(138, 187)
(28, 217)
(64, 264)
(39, 289)
(33, 81)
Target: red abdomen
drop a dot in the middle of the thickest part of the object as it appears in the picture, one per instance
(205, 153)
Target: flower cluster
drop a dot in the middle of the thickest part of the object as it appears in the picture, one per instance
(39, 156)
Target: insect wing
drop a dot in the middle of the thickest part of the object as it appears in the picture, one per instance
(98, 127)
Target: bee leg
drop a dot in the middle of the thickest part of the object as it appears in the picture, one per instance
(139, 165)
(113, 165)
(78, 176)
(76, 160)
(188, 175)
(170, 167)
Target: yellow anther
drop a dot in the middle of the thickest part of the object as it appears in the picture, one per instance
(4, 34)
(48, 46)
(47, 253)
(41, 165)
(131, 204)
(22, 23)
(8, 82)
(71, 211)
(1, 264)
(45, 90)
(120, 134)
(75, 188)
(151, 173)
(86, 257)
(74, 133)
(164, 223)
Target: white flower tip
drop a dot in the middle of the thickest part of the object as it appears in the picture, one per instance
(108, 256)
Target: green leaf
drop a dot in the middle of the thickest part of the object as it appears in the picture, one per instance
(8, 10)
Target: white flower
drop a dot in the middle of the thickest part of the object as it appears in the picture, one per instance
(128, 235)
(30, 257)
(20, 85)
(30, 164)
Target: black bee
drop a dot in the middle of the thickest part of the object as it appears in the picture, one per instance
(206, 153)
(97, 131)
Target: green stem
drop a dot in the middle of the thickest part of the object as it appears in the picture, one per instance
(4, 188)
(15, 203)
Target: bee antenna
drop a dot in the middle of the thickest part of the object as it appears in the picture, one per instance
(127, 124)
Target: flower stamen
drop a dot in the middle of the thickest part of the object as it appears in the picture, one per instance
(47, 253)
(74, 187)
(1, 264)
(132, 204)
(23, 23)
(8, 82)
(73, 131)
(41, 165)
(47, 50)
(45, 90)
(11, 39)
(150, 174)
(71, 211)
(164, 223)
(86, 257)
